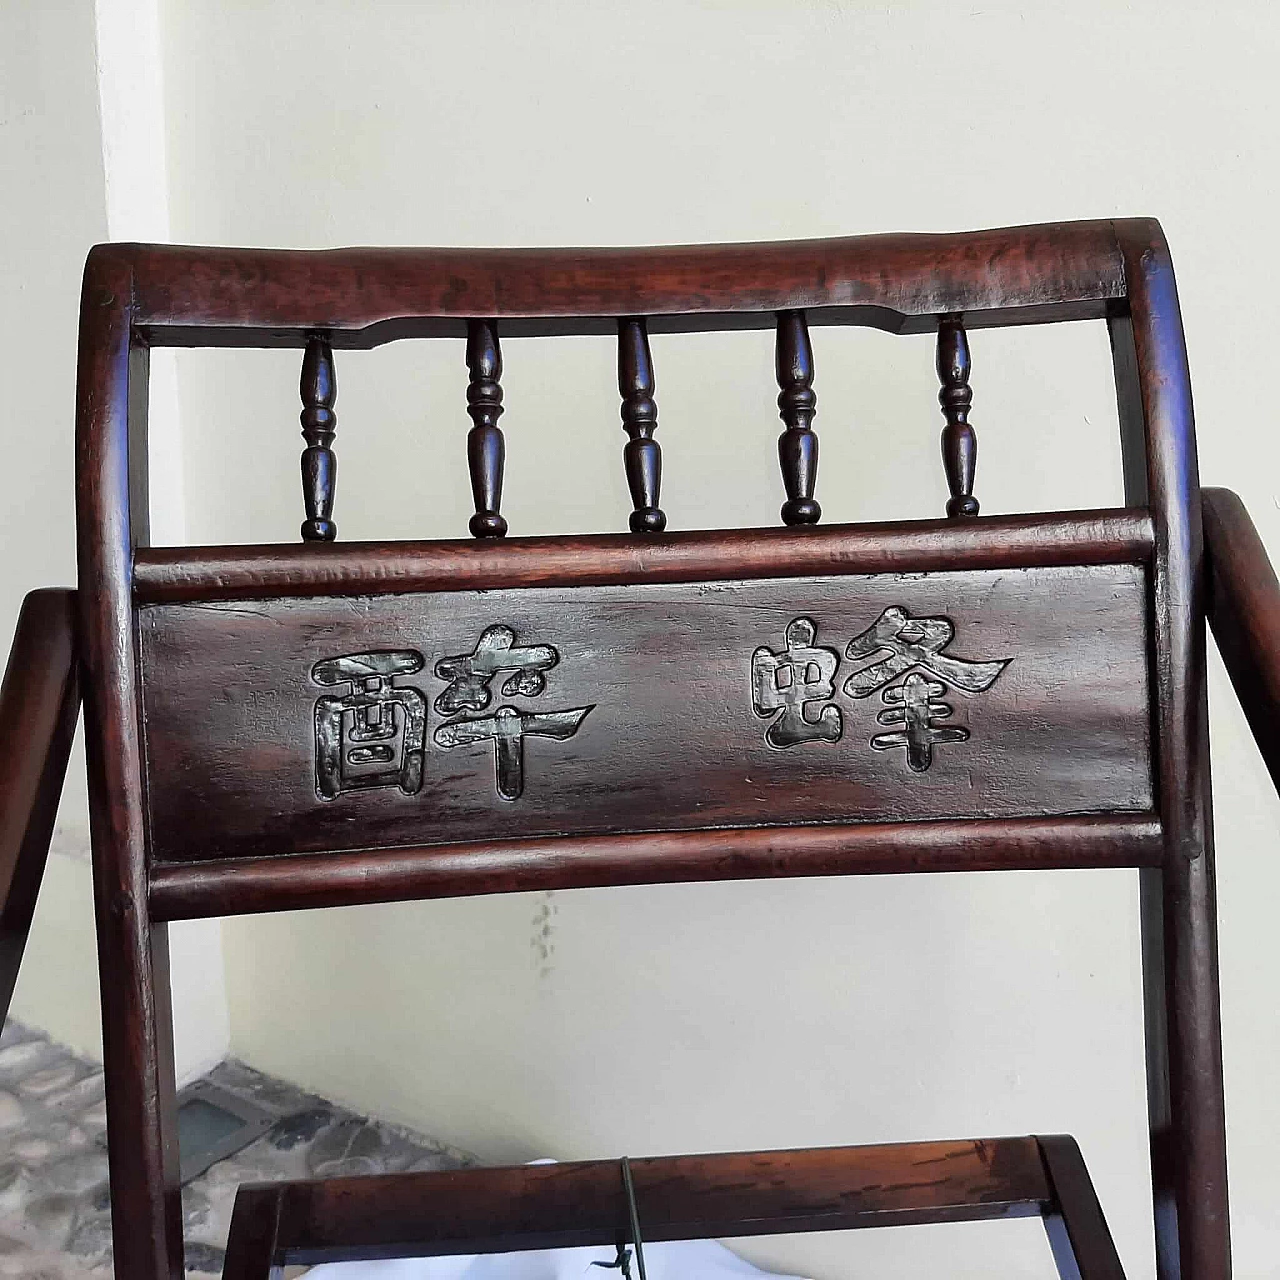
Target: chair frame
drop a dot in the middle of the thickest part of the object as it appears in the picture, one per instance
(137, 297)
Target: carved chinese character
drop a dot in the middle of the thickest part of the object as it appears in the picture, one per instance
(470, 674)
(914, 705)
(896, 642)
(373, 735)
(507, 728)
(795, 682)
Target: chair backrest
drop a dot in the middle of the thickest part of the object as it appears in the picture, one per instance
(276, 727)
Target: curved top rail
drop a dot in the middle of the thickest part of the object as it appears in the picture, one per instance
(189, 296)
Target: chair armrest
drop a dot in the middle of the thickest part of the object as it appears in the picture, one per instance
(1243, 603)
(39, 704)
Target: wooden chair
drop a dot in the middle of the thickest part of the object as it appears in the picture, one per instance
(908, 697)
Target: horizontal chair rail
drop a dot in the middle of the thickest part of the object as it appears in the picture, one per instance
(678, 1198)
(185, 295)
(242, 886)
(172, 575)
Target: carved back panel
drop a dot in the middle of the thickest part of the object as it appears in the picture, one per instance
(281, 727)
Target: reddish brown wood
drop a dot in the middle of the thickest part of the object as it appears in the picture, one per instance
(797, 403)
(1179, 909)
(486, 449)
(1078, 1234)
(678, 1198)
(641, 455)
(133, 958)
(263, 297)
(39, 705)
(1063, 729)
(959, 443)
(184, 891)
(170, 575)
(140, 295)
(1244, 612)
(319, 389)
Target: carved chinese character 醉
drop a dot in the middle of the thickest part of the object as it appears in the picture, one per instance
(794, 682)
(470, 674)
(373, 735)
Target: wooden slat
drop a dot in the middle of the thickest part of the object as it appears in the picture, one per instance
(1078, 1233)
(174, 574)
(678, 1198)
(215, 296)
(39, 705)
(242, 886)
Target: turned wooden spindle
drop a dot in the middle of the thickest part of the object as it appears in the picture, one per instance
(959, 443)
(797, 403)
(486, 449)
(642, 454)
(319, 389)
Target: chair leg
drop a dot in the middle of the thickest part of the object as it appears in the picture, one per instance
(1078, 1233)
(251, 1247)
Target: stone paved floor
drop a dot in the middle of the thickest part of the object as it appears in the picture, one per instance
(54, 1216)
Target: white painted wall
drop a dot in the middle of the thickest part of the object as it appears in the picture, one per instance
(82, 159)
(763, 1014)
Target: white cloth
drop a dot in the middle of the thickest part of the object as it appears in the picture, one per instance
(666, 1260)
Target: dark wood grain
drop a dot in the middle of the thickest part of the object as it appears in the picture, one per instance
(318, 387)
(797, 403)
(1244, 612)
(242, 886)
(39, 705)
(667, 674)
(1078, 1233)
(133, 956)
(641, 455)
(170, 575)
(678, 1198)
(200, 296)
(1179, 907)
(959, 441)
(486, 449)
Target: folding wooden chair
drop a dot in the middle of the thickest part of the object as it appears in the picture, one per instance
(283, 727)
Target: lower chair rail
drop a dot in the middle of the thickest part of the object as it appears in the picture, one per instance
(678, 1198)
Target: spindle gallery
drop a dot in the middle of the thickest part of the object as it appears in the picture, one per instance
(283, 727)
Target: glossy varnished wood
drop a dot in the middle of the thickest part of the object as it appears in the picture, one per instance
(169, 575)
(486, 448)
(666, 676)
(642, 455)
(959, 440)
(318, 387)
(39, 705)
(678, 1198)
(1244, 612)
(797, 403)
(243, 886)
(186, 295)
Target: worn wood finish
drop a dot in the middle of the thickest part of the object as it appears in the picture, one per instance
(186, 295)
(797, 404)
(1179, 908)
(678, 1198)
(39, 706)
(170, 575)
(133, 958)
(486, 449)
(140, 295)
(641, 455)
(318, 387)
(243, 886)
(1244, 612)
(959, 441)
(666, 675)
